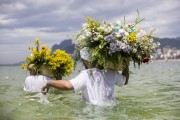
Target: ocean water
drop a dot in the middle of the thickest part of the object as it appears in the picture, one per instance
(153, 93)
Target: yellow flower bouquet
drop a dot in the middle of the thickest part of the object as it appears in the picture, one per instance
(56, 64)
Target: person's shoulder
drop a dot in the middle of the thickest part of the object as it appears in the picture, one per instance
(96, 70)
(91, 70)
(43, 76)
(30, 77)
(37, 76)
(85, 71)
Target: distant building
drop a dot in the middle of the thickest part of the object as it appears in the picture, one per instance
(167, 53)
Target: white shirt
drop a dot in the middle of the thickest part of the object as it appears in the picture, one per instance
(34, 83)
(97, 86)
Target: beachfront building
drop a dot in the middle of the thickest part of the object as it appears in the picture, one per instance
(167, 53)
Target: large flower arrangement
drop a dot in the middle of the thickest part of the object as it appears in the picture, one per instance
(56, 64)
(114, 45)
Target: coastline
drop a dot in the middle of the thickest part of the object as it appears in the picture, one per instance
(166, 60)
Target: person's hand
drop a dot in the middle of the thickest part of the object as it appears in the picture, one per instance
(45, 89)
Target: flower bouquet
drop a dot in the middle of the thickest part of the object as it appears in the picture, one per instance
(56, 64)
(114, 45)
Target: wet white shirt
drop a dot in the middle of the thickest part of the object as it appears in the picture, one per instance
(97, 86)
(34, 83)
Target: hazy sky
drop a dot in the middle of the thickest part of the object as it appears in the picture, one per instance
(21, 21)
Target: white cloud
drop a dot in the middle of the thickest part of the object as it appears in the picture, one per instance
(4, 21)
(14, 43)
(41, 3)
(25, 34)
(13, 7)
(19, 6)
(52, 21)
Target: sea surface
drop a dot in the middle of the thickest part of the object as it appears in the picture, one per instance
(153, 93)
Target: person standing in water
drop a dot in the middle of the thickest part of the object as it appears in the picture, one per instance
(35, 81)
(95, 83)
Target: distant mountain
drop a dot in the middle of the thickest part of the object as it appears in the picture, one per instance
(69, 47)
(170, 42)
(66, 45)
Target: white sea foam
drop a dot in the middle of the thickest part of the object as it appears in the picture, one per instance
(43, 98)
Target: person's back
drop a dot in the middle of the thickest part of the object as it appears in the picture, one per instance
(34, 83)
(97, 86)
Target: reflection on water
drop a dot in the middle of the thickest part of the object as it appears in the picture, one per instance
(152, 93)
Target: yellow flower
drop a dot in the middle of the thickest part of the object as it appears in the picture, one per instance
(59, 63)
(146, 37)
(132, 37)
(35, 52)
(37, 41)
(139, 30)
(24, 67)
(44, 47)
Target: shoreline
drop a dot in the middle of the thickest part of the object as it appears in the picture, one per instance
(152, 60)
(166, 60)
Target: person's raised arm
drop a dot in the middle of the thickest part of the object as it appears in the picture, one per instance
(60, 84)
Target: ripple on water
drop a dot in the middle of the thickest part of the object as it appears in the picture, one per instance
(152, 93)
